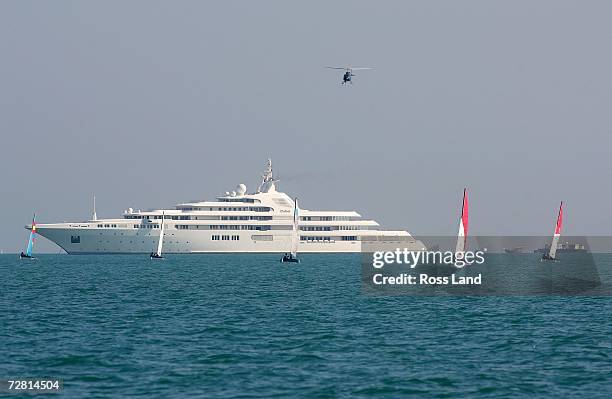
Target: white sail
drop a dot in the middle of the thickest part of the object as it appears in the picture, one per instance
(161, 237)
(460, 239)
(296, 230)
(555, 241)
(553, 246)
(463, 226)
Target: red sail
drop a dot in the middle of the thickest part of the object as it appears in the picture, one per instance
(559, 219)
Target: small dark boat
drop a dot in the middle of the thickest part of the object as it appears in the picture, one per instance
(24, 256)
(289, 258)
(155, 255)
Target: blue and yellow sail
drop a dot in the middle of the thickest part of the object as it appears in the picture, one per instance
(32, 236)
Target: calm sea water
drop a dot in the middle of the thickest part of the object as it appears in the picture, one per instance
(246, 326)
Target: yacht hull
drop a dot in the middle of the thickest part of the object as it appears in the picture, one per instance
(76, 240)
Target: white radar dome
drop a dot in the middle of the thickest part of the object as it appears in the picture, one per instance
(241, 189)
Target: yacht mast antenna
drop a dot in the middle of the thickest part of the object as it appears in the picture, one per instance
(268, 180)
(95, 216)
(268, 173)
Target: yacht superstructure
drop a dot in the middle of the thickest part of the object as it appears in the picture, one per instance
(235, 222)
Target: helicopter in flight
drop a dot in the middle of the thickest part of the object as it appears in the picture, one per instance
(348, 74)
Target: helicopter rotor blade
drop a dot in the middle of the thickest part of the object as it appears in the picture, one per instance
(361, 68)
(336, 67)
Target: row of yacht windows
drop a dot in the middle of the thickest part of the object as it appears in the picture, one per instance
(146, 226)
(153, 217)
(246, 217)
(186, 217)
(315, 228)
(216, 237)
(264, 228)
(228, 208)
(325, 218)
(249, 200)
(326, 238)
(256, 209)
(331, 228)
(239, 227)
(221, 227)
(183, 217)
(236, 227)
(309, 238)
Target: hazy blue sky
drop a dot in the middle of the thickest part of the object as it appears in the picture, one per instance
(152, 103)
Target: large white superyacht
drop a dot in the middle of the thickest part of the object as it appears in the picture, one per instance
(235, 222)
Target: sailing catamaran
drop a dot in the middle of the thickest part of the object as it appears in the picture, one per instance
(552, 252)
(292, 256)
(28, 252)
(462, 236)
(158, 254)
